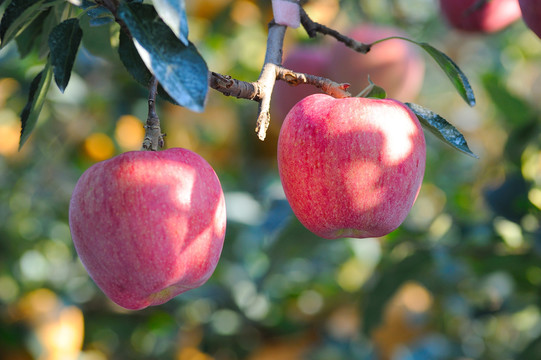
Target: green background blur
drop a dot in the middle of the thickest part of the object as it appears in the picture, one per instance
(461, 278)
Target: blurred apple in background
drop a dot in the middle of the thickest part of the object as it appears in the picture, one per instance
(485, 17)
(148, 226)
(395, 65)
(531, 13)
(351, 167)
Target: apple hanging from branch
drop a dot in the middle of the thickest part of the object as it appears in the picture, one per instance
(148, 225)
(351, 167)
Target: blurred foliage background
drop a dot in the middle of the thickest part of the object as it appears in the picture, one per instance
(461, 278)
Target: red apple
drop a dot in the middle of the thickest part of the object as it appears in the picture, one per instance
(395, 65)
(313, 60)
(147, 225)
(492, 16)
(351, 167)
(531, 13)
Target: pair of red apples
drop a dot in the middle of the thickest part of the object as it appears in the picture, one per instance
(148, 226)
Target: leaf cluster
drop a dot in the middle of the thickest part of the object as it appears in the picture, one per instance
(153, 41)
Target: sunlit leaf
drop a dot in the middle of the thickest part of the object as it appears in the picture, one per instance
(173, 13)
(136, 67)
(180, 69)
(64, 43)
(441, 128)
(36, 98)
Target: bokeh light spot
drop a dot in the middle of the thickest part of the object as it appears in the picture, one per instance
(99, 147)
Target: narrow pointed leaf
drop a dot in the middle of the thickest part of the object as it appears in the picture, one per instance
(36, 98)
(180, 69)
(18, 15)
(173, 13)
(453, 72)
(64, 43)
(441, 128)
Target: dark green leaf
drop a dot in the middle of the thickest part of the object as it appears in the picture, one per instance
(18, 15)
(29, 37)
(100, 16)
(36, 98)
(180, 69)
(136, 67)
(173, 13)
(391, 279)
(453, 72)
(441, 128)
(52, 20)
(85, 4)
(64, 43)
(97, 40)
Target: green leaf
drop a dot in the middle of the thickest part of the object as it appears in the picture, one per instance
(173, 13)
(36, 98)
(29, 37)
(64, 43)
(97, 40)
(411, 268)
(180, 69)
(136, 67)
(18, 15)
(373, 91)
(441, 128)
(453, 72)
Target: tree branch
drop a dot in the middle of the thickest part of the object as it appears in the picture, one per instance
(312, 28)
(153, 134)
(261, 90)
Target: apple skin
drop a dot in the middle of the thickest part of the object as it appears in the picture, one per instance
(531, 13)
(147, 225)
(351, 167)
(313, 60)
(493, 16)
(395, 65)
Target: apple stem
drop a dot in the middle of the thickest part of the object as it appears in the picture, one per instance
(153, 134)
(313, 28)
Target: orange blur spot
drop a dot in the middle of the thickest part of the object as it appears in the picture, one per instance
(99, 147)
(129, 133)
